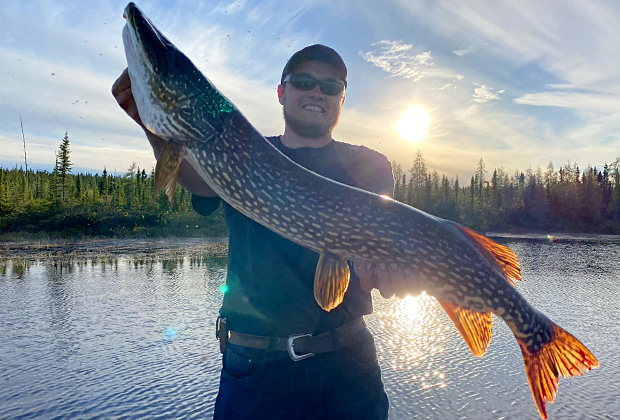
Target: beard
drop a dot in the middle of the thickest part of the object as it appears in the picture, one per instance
(309, 129)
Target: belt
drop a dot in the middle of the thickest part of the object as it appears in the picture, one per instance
(298, 346)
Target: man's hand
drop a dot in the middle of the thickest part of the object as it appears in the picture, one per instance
(188, 177)
(390, 279)
(121, 89)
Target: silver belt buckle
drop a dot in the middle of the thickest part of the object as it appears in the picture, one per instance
(291, 350)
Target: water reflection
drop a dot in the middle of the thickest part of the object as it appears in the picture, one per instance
(125, 329)
(413, 334)
(110, 333)
(65, 259)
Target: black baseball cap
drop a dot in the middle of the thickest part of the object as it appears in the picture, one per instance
(316, 52)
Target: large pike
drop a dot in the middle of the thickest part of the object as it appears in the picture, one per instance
(470, 275)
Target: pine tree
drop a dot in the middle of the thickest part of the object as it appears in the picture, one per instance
(103, 184)
(495, 191)
(63, 164)
(472, 192)
(457, 190)
(78, 186)
(4, 193)
(397, 172)
(417, 181)
(480, 181)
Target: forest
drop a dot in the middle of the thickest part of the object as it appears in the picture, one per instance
(60, 204)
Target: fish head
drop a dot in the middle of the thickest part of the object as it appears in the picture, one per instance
(175, 100)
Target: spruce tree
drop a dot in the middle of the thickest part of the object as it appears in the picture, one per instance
(4, 194)
(63, 164)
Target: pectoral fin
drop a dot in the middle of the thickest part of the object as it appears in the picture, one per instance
(330, 281)
(167, 169)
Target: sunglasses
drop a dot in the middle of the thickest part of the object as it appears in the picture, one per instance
(306, 82)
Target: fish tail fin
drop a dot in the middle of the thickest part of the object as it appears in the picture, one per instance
(475, 327)
(167, 170)
(501, 255)
(563, 355)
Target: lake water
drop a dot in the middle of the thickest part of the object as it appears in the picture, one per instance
(124, 329)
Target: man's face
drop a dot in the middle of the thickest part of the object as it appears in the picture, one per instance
(311, 113)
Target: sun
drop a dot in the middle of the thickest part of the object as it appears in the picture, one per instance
(413, 124)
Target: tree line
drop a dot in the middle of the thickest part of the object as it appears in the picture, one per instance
(566, 199)
(66, 204)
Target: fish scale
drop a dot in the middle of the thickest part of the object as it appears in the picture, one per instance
(470, 275)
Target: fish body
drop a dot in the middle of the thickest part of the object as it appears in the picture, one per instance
(470, 275)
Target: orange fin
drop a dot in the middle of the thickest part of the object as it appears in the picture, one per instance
(564, 355)
(331, 281)
(503, 256)
(475, 327)
(167, 169)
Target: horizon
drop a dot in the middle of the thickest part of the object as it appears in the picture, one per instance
(119, 172)
(506, 84)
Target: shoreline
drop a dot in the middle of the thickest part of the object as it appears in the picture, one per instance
(100, 249)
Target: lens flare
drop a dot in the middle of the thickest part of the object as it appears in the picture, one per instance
(171, 333)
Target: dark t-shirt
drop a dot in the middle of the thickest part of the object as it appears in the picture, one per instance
(270, 279)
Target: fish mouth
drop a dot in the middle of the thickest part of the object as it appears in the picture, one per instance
(158, 73)
(158, 51)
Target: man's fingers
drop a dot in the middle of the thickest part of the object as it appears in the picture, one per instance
(390, 279)
(367, 283)
(384, 283)
(121, 89)
(122, 83)
(365, 272)
(124, 98)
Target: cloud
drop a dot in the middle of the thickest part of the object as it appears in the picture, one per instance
(603, 102)
(395, 58)
(560, 56)
(474, 46)
(574, 41)
(484, 93)
(398, 59)
(233, 8)
(463, 51)
(62, 80)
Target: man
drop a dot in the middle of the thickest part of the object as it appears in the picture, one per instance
(283, 356)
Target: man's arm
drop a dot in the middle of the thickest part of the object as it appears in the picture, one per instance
(188, 177)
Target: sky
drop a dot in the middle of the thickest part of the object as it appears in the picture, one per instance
(517, 84)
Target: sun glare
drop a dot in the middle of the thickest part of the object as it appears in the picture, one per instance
(413, 124)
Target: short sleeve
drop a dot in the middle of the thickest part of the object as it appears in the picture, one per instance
(383, 181)
(371, 170)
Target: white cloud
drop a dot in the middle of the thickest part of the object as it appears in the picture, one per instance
(62, 80)
(234, 7)
(399, 60)
(574, 41)
(463, 51)
(483, 93)
(577, 100)
(552, 54)
(395, 58)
